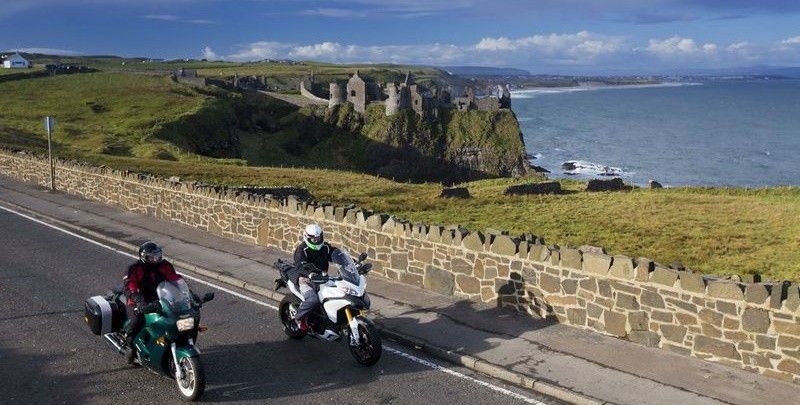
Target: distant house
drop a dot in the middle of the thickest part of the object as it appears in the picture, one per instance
(16, 61)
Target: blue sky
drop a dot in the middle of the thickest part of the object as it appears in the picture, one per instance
(543, 36)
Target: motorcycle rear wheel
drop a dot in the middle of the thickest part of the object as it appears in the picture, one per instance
(193, 383)
(369, 349)
(286, 310)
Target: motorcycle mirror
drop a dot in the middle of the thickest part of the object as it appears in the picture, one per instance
(362, 257)
(208, 297)
(364, 269)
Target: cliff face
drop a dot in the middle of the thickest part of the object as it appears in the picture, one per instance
(460, 145)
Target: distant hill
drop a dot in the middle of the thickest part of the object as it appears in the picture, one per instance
(485, 71)
(785, 71)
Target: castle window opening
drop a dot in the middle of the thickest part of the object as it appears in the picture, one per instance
(352, 93)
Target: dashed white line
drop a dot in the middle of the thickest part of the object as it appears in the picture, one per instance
(392, 350)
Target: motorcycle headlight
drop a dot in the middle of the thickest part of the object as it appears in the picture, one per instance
(185, 324)
(347, 289)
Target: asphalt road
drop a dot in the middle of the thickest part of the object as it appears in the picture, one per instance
(48, 354)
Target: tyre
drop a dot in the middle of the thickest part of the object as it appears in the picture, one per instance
(369, 349)
(286, 311)
(193, 383)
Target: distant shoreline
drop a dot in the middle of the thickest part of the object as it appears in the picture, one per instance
(526, 92)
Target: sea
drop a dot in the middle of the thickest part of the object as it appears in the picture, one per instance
(740, 133)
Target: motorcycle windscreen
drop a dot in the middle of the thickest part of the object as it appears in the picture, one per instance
(176, 295)
(347, 267)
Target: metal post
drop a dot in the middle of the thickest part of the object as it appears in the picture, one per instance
(49, 125)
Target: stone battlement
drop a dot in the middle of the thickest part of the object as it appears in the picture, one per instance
(749, 325)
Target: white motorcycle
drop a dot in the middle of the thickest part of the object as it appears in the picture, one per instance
(342, 313)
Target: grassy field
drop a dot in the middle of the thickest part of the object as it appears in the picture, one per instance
(99, 112)
(125, 121)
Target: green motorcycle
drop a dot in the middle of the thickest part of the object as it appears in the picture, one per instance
(166, 342)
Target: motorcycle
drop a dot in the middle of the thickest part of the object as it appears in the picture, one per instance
(343, 309)
(165, 344)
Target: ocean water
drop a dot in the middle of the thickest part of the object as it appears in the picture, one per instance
(716, 133)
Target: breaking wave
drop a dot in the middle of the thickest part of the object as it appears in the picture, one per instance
(580, 167)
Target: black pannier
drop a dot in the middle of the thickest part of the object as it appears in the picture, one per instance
(104, 316)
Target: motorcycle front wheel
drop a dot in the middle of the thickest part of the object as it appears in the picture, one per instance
(369, 348)
(193, 383)
(286, 310)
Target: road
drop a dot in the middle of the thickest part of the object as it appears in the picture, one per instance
(48, 354)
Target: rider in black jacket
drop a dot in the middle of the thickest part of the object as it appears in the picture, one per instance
(312, 255)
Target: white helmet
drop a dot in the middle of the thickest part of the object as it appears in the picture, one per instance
(313, 237)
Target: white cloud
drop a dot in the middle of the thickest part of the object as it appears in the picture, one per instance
(335, 13)
(261, 50)
(710, 49)
(791, 41)
(209, 53)
(581, 47)
(496, 44)
(162, 17)
(323, 50)
(178, 19)
(679, 46)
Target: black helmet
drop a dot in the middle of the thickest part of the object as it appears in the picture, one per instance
(150, 252)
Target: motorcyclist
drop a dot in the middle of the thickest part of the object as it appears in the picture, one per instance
(311, 256)
(140, 283)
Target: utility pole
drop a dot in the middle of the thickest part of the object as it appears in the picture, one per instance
(49, 125)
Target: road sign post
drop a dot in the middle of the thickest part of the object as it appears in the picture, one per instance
(49, 125)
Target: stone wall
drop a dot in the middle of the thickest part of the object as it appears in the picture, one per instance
(755, 326)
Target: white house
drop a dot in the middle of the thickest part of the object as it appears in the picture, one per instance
(16, 61)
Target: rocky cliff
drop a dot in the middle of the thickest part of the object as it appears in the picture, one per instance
(455, 146)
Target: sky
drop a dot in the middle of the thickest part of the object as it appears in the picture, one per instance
(542, 36)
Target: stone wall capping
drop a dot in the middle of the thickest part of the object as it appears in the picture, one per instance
(595, 262)
(389, 224)
(538, 253)
(375, 221)
(692, 282)
(434, 233)
(725, 290)
(504, 245)
(571, 258)
(792, 301)
(339, 214)
(664, 276)
(591, 249)
(474, 241)
(622, 267)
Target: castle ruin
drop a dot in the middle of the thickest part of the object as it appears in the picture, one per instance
(409, 95)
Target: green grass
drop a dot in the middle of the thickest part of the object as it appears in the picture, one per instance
(99, 112)
(6, 72)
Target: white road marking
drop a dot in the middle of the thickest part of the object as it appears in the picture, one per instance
(397, 352)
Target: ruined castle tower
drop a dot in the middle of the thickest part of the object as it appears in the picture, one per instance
(393, 102)
(505, 96)
(337, 97)
(357, 92)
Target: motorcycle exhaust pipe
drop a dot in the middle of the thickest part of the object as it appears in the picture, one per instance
(114, 342)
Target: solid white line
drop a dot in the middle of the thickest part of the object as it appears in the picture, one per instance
(465, 377)
(262, 303)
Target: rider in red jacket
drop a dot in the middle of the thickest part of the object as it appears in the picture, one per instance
(140, 282)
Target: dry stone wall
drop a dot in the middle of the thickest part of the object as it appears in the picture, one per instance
(755, 326)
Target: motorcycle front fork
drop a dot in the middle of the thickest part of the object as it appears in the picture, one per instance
(355, 337)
